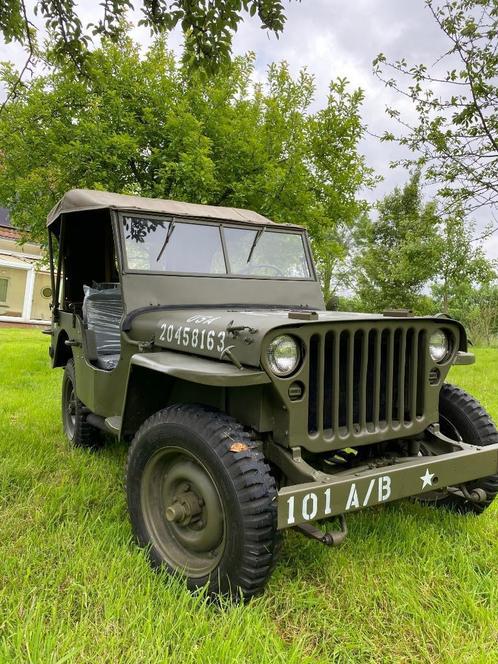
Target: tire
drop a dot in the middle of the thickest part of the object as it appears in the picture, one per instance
(224, 534)
(78, 431)
(463, 418)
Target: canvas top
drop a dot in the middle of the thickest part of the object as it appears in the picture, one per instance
(79, 200)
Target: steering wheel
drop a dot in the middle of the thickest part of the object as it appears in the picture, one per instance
(249, 269)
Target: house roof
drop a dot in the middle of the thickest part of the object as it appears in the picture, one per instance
(6, 229)
(79, 200)
(15, 260)
(9, 233)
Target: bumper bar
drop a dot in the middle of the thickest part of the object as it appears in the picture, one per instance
(357, 488)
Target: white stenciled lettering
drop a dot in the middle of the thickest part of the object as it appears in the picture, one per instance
(384, 488)
(197, 337)
(309, 514)
(221, 342)
(353, 500)
(202, 320)
(290, 516)
(328, 501)
(369, 492)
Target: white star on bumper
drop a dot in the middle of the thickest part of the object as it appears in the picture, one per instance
(427, 479)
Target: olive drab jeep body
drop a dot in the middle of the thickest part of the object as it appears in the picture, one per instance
(198, 334)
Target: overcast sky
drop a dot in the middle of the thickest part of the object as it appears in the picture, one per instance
(335, 38)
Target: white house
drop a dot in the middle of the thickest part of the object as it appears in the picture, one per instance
(25, 289)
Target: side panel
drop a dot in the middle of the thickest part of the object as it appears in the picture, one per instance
(101, 391)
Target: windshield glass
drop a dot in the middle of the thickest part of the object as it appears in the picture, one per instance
(171, 245)
(267, 253)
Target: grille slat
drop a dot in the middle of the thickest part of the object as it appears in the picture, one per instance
(365, 380)
(350, 381)
(390, 376)
(377, 377)
(321, 383)
(401, 377)
(336, 385)
(413, 375)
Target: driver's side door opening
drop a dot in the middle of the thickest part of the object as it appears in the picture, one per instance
(86, 277)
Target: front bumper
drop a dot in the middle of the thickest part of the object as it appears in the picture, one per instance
(357, 488)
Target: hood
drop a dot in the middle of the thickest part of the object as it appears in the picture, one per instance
(228, 334)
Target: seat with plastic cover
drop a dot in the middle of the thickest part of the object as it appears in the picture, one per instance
(102, 314)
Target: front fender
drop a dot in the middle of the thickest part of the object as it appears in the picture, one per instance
(199, 369)
(156, 380)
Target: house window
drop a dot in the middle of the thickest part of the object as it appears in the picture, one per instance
(3, 289)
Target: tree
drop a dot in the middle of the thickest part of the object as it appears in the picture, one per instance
(399, 251)
(477, 308)
(462, 265)
(146, 124)
(456, 102)
(208, 26)
(337, 129)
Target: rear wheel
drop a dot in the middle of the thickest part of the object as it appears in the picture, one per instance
(202, 499)
(462, 418)
(76, 428)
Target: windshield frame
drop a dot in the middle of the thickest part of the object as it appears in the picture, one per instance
(221, 225)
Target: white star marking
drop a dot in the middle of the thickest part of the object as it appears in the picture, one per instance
(427, 479)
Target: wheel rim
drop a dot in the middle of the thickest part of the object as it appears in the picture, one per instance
(183, 512)
(69, 408)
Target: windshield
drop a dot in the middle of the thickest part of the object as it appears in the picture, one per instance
(171, 245)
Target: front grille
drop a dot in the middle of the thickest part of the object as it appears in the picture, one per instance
(363, 380)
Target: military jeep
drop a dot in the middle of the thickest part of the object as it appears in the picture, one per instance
(198, 335)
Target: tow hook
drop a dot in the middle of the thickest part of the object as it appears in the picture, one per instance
(333, 538)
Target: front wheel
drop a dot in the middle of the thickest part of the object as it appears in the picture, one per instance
(202, 500)
(462, 418)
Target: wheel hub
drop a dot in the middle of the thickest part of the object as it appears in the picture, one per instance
(184, 508)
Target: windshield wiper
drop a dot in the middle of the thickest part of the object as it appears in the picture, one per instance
(171, 228)
(255, 243)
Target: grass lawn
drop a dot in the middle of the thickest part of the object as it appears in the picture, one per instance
(410, 584)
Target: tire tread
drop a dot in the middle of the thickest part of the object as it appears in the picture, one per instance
(250, 476)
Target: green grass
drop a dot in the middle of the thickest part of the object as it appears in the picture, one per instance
(410, 584)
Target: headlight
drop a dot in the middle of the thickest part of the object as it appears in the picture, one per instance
(283, 355)
(439, 345)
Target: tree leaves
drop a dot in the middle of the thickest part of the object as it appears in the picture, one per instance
(146, 124)
(456, 132)
(208, 25)
(399, 251)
